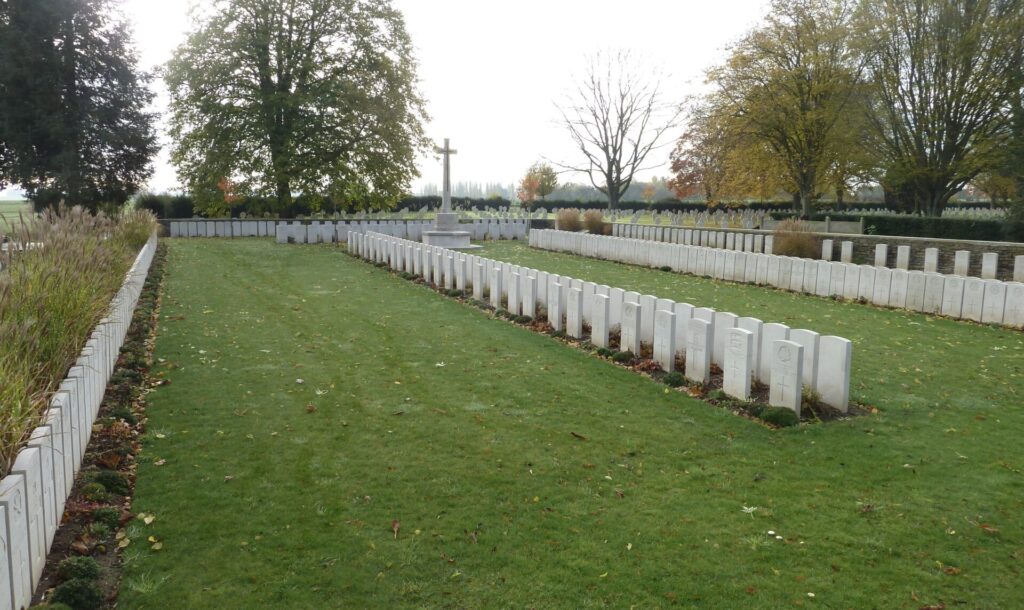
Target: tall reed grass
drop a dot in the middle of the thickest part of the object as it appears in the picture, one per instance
(795, 238)
(58, 276)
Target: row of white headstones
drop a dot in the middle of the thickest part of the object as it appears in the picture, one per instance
(987, 301)
(745, 348)
(749, 242)
(34, 494)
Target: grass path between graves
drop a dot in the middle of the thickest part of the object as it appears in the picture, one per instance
(273, 493)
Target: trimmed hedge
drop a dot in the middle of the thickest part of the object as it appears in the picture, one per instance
(930, 226)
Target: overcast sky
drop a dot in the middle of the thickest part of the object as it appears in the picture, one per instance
(491, 70)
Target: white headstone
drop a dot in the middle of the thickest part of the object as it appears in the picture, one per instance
(724, 320)
(1018, 268)
(974, 299)
(754, 327)
(952, 296)
(496, 288)
(770, 333)
(555, 315)
(933, 286)
(1013, 312)
(684, 313)
(883, 282)
(962, 262)
(698, 354)
(647, 308)
(574, 314)
(989, 265)
(629, 338)
(846, 252)
(665, 339)
(530, 296)
(809, 340)
(826, 249)
(931, 260)
(995, 302)
(835, 355)
(785, 387)
(881, 254)
(738, 369)
(903, 257)
(599, 321)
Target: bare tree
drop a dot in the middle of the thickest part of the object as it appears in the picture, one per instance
(616, 118)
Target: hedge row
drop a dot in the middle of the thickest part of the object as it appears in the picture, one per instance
(905, 225)
(182, 206)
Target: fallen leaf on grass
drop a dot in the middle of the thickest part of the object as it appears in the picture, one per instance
(579, 436)
(228, 477)
(394, 527)
(160, 462)
(310, 408)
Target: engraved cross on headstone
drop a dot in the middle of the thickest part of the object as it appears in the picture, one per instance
(446, 196)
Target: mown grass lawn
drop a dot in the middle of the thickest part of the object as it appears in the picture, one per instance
(274, 493)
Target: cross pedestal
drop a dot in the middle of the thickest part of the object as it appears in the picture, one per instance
(446, 233)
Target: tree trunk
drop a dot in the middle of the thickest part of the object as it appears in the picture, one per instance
(613, 195)
(805, 204)
(284, 193)
(71, 125)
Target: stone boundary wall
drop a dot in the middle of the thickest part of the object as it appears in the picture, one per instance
(988, 301)
(746, 349)
(1009, 262)
(33, 495)
(332, 231)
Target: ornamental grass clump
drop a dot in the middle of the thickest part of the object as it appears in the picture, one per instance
(795, 238)
(593, 221)
(58, 275)
(568, 219)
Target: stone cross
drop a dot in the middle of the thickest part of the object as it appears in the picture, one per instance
(446, 197)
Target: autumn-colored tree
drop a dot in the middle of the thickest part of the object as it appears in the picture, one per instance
(528, 189)
(699, 158)
(792, 82)
(648, 192)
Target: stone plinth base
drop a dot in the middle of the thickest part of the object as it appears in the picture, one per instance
(454, 240)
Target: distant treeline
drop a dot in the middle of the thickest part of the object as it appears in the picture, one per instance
(182, 206)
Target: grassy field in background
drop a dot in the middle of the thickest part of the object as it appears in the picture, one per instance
(413, 407)
(9, 211)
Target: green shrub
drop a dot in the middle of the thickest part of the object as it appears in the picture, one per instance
(113, 481)
(94, 492)
(605, 352)
(111, 517)
(1013, 228)
(779, 416)
(180, 206)
(52, 606)
(157, 204)
(795, 238)
(568, 219)
(125, 414)
(85, 568)
(665, 268)
(674, 379)
(523, 319)
(718, 394)
(78, 593)
(97, 530)
(623, 357)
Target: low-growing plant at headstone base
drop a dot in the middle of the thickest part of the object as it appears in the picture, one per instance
(623, 357)
(78, 567)
(78, 593)
(795, 238)
(779, 416)
(59, 274)
(674, 379)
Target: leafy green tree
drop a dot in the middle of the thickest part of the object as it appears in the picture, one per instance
(311, 95)
(945, 76)
(547, 179)
(73, 119)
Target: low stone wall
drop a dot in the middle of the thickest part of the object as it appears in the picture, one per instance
(331, 231)
(989, 301)
(1009, 263)
(745, 348)
(33, 495)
